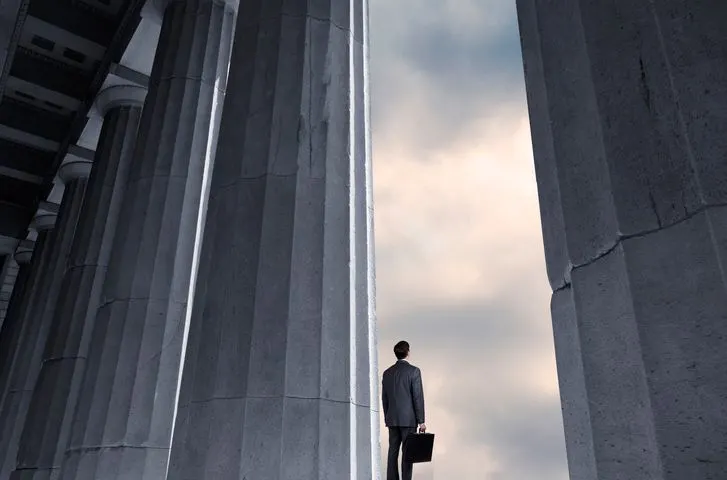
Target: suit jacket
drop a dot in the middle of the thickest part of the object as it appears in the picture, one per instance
(402, 395)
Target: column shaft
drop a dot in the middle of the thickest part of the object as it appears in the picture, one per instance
(16, 339)
(14, 303)
(11, 349)
(8, 270)
(46, 432)
(37, 321)
(123, 424)
(280, 380)
(628, 107)
(11, 327)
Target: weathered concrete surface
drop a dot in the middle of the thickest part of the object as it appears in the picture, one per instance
(123, 425)
(18, 301)
(13, 336)
(47, 430)
(280, 378)
(628, 107)
(8, 273)
(37, 317)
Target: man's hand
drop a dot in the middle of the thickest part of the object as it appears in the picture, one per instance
(422, 428)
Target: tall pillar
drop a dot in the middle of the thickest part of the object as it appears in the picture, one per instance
(16, 337)
(123, 422)
(39, 313)
(11, 327)
(15, 284)
(628, 108)
(47, 429)
(16, 295)
(8, 270)
(280, 380)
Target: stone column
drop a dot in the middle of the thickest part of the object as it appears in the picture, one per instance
(7, 279)
(12, 325)
(123, 422)
(280, 380)
(8, 274)
(38, 315)
(34, 288)
(16, 295)
(628, 108)
(4, 263)
(47, 429)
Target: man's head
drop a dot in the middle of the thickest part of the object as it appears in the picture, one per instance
(401, 350)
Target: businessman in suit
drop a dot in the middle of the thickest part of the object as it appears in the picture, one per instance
(403, 399)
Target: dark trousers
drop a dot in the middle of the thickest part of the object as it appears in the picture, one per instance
(396, 438)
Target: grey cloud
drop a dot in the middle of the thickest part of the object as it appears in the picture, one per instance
(526, 436)
(463, 330)
(464, 74)
(480, 350)
(468, 342)
(483, 63)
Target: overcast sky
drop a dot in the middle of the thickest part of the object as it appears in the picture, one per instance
(460, 265)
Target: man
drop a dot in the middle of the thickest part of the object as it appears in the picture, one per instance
(403, 399)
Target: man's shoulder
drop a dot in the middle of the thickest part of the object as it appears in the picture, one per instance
(406, 366)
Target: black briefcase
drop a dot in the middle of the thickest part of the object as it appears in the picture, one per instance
(418, 447)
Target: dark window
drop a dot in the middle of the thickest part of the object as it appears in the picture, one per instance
(53, 105)
(43, 43)
(74, 55)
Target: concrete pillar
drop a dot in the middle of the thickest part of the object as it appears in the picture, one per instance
(8, 272)
(47, 429)
(280, 380)
(123, 424)
(16, 338)
(38, 315)
(628, 108)
(12, 326)
(5, 260)
(16, 293)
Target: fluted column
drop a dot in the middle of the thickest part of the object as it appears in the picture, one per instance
(39, 313)
(8, 272)
(47, 429)
(16, 293)
(123, 423)
(16, 338)
(628, 109)
(280, 374)
(12, 325)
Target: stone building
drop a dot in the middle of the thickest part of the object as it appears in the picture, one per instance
(186, 217)
(185, 227)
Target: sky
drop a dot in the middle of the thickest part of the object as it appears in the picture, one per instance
(460, 265)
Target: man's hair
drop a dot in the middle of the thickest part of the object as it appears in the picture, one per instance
(401, 350)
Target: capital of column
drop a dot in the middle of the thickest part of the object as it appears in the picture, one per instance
(73, 168)
(120, 96)
(154, 9)
(45, 217)
(24, 252)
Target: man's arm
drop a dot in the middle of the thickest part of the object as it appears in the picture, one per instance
(417, 395)
(384, 398)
